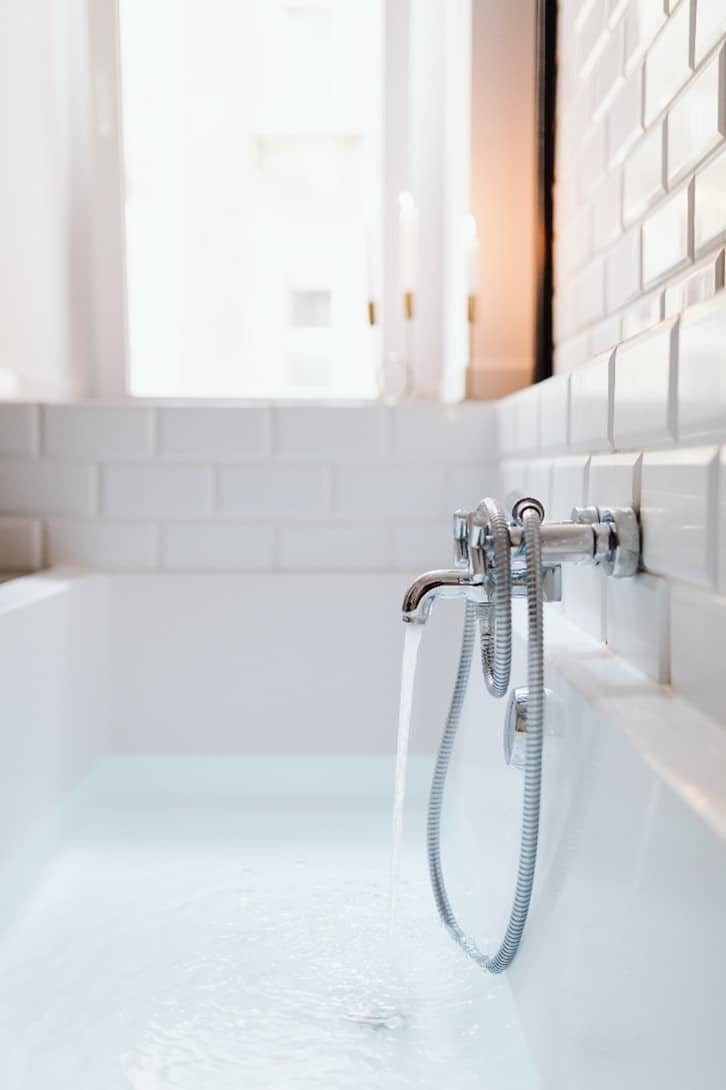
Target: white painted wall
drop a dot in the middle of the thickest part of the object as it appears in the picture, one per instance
(44, 281)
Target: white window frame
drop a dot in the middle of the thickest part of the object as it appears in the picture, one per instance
(427, 94)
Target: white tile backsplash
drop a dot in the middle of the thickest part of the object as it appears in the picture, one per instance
(614, 480)
(590, 399)
(285, 491)
(156, 491)
(695, 121)
(554, 413)
(389, 491)
(709, 223)
(569, 485)
(21, 544)
(702, 370)
(643, 180)
(678, 513)
(666, 64)
(644, 388)
(104, 545)
(698, 623)
(308, 431)
(666, 238)
(214, 433)
(710, 20)
(637, 621)
(114, 433)
(19, 429)
(43, 486)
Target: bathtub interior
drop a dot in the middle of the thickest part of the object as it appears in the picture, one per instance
(210, 904)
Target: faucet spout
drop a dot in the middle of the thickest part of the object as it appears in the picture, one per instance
(446, 583)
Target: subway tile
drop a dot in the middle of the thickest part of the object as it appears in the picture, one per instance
(21, 544)
(97, 544)
(589, 290)
(677, 511)
(47, 487)
(88, 431)
(709, 220)
(608, 73)
(623, 270)
(698, 622)
(702, 370)
(643, 182)
(156, 491)
(642, 315)
(539, 482)
(583, 598)
(512, 479)
(592, 36)
(333, 431)
(334, 547)
(468, 484)
(518, 421)
(218, 432)
(710, 26)
(18, 429)
(389, 491)
(644, 388)
(554, 399)
(625, 120)
(421, 547)
(666, 238)
(590, 158)
(697, 287)
(666, 65)
(571, 353)
(605, 335)
(643, 19)
(285, 491)
(446, 432)
(695, 122)
(590, 390)
(217, 546)
(614, 480)
(722, 522)
(637, 623)
(569, 480)
(606, 210)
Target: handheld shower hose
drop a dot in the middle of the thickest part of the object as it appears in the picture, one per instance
(476, 613)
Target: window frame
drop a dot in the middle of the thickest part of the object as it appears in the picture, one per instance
(426, 142)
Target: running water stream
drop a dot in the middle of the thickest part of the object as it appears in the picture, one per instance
(412, 641)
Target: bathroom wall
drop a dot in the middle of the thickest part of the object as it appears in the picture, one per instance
(237, 487)
(637, 411)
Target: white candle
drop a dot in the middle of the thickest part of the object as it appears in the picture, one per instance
(472, 256)
(408, 243)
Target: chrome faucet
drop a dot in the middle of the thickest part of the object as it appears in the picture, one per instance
(608, 537)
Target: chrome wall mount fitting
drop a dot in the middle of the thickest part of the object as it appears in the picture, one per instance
(607, 537)
(497, 559)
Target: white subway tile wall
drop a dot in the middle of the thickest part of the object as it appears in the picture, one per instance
(239, 487)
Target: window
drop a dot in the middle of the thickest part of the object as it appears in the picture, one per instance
(253, 162)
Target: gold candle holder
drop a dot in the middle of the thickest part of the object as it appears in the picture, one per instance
(371, 312)
(408, 307)
(471, 309)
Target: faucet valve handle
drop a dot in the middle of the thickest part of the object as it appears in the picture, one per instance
(461, 538)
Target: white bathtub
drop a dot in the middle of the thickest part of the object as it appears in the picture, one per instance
(194, 763)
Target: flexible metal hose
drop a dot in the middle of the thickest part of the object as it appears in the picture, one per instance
(495, 621)
(533, 768)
